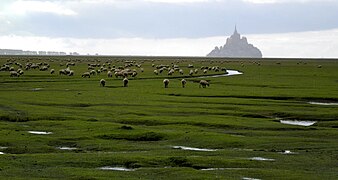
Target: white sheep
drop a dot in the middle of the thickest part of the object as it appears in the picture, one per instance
(181, 71)
(191, 72)
(71, 73)
(166, 83)
(20, 71)
(171, 72)
(204, 83)
(155, 72)
(14, 74)
(102, 82)
(109, 74)
(205, 71)
(52, 71)
(86, 74)
(184, 82)
(125, 82)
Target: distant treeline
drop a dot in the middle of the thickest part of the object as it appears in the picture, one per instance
(21, 52)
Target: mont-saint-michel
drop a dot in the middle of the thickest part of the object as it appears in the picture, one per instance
(236, 46)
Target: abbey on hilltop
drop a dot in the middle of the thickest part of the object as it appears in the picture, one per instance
(236, 46)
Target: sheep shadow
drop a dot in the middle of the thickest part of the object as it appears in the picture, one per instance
(114, 87)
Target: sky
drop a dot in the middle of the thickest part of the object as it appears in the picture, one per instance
(279, 28)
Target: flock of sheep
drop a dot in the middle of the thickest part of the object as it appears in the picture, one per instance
(111, 70)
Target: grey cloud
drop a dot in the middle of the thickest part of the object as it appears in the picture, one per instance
(157, 20)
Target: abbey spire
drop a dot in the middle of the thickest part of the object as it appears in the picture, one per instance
(236, 46)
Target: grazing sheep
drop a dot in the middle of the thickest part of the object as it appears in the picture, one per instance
(166, 83)
(134, 74)
(125, 82)
(86, 74)
(184, 82)
(20, 71)
(196, 71)
(52, 71)
(205, 71)
(14, 74)
(62, 72)
(92, 72)
(181, 71)
(204, 83)
(44, 68)
(118, 74)
(102, 82)
(109, 74)
(155, 72)
(171, 72)
(191, 72)
(71, 73)
(319, 66)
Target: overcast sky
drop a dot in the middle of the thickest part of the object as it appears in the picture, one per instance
(280, 28)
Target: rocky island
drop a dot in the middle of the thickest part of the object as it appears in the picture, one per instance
(236, 46)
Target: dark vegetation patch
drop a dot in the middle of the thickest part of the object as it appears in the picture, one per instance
(14, 118)
(178, 162)
(62, 143)
(148, 136)
(80, 104)
(25, 118)
(126, 127)
(92, 120)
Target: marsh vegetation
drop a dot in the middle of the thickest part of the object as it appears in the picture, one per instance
(56, 125)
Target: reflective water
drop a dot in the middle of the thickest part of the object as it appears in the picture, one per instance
(39, 132)
(193, 149)
(108, 168)
(298, 123)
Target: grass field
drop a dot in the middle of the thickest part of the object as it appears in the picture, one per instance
(235, 122)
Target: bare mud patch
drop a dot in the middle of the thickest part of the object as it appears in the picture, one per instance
(109, 168)
(193, 149)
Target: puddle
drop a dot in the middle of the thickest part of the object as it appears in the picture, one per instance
(242, 149)
(261, 159)
(298, 123)
(236, 135)
(108, 168)
(66, 148)
(193, 149)
(323, 104)
(36, 89)
(247, 178)
(2, 153)
(216, 169)
(39, 132)
(230, 73)
(287, 152)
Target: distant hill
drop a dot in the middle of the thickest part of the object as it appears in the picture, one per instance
(21, 52)
(236, 46)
